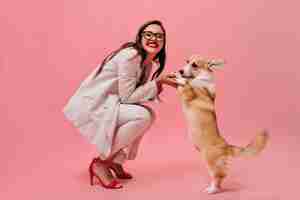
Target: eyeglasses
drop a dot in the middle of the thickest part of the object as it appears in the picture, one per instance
(150, 35)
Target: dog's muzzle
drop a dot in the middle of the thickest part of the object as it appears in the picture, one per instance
(181, 72)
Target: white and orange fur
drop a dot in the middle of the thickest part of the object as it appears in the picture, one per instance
(196, 89)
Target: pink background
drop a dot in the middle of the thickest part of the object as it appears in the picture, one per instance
(48, 47)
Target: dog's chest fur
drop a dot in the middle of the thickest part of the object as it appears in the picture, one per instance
(199, 120)
(204, 80)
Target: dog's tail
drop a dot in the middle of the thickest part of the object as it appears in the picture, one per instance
(253, 148)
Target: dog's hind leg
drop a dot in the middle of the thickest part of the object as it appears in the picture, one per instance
(217, 171)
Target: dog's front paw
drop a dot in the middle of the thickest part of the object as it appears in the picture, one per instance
(181, 81)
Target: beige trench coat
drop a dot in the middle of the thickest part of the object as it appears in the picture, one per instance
(94, 107)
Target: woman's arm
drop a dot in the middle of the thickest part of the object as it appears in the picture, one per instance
(128, 66)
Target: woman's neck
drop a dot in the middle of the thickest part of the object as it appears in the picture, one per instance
(149, 58)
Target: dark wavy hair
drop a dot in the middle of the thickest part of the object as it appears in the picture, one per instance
(137, 44)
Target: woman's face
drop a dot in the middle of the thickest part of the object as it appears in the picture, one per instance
(153, 39)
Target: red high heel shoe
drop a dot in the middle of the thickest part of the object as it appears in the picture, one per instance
(112, 185)
(119, 171)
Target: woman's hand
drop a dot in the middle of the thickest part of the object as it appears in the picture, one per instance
(167, 79)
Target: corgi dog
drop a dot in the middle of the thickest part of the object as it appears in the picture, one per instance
(196, 89)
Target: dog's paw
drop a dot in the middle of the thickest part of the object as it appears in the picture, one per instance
(212, 189)
(181, 81)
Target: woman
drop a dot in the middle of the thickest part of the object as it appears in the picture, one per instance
(107, 108)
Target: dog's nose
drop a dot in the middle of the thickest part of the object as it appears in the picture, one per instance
(181, 71)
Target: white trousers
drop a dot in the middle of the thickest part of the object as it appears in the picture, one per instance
(133, 121)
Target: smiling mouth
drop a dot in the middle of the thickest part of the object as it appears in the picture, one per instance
(186, 76)
(152, 44)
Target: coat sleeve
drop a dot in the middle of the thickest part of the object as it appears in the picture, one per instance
(128, 66)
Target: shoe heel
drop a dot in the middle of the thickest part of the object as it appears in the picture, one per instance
(113, 185)
(91, 178)
(91, 174)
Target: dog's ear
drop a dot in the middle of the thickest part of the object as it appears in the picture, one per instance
(195, 57)
(216, 64)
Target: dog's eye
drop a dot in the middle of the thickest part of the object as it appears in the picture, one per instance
(194, 65)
